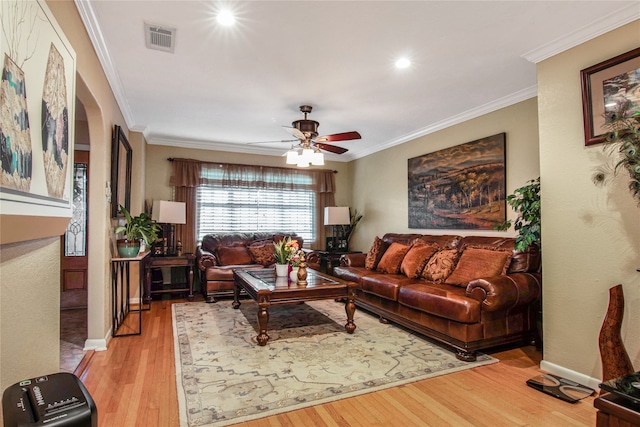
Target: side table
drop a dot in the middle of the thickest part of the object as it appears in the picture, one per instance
(330, 259)
(121, 295)
(616, 411)
(185, 260)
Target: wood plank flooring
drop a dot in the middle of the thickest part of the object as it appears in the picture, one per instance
(133, 384)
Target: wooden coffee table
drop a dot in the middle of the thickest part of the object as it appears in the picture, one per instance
(267, 290)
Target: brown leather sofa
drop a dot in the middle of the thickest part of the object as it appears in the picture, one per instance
(219, 254)
(475, 314)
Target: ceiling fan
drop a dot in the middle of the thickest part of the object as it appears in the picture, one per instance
(306, 130)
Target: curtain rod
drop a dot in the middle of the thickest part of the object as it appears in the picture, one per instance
(171, 159)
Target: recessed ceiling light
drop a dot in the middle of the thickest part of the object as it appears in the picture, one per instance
(226, 18)
(403, 63)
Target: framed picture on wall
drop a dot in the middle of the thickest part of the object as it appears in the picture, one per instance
(121, 159)
(461, 187)
(605, 87)
(38, 108)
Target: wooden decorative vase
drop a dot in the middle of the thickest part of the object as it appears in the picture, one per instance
(615, 360)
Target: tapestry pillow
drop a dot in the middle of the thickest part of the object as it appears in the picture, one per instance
(234, 255)
(375, 254)
(262, 252)
(392, 258)
(440, 265)
(415, 260)
(475, 263)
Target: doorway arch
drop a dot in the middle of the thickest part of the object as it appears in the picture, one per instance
(99, 223)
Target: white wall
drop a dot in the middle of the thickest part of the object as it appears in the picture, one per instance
(590, 235)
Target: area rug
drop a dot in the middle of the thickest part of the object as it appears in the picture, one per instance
(223, 377)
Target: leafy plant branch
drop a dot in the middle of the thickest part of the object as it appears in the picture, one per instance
(526, 202)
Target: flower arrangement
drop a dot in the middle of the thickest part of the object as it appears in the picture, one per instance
(623, 143)
(287, 251)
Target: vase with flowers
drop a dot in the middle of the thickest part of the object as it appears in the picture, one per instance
(285, 250)
(296, 256)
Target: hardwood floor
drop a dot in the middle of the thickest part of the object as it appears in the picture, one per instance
(133, 384)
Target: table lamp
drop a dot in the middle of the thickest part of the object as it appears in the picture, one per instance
(168, 214)
(336, 215)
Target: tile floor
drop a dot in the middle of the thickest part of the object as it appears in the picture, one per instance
(73, 334)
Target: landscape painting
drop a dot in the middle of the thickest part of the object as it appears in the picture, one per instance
(461, 187)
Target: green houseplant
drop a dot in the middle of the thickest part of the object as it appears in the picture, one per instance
(136, 228)
(622, 142)
(526, 202)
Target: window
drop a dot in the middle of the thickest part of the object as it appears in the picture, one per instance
(228, 209)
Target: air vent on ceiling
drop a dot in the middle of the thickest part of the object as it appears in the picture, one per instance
(159, 38)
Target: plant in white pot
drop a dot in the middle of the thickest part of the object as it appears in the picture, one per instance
(136, 228)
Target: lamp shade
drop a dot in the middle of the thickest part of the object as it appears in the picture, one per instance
(336, 215)
(168, 212)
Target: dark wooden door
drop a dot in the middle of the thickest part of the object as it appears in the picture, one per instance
(74, 243)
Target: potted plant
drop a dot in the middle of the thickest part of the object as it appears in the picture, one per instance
(623, 143)
(137, 228)
(347, 230)
(526, 202)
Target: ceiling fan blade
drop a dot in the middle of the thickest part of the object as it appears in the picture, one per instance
(345, 136)
(295, 132)
(272, 142)
(331, 148)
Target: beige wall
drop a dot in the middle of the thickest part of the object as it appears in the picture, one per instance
(591, 235)
(159, 169)
(380, 180)
(29, 271)
(29, 309)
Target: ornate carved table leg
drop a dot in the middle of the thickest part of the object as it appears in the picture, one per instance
(350, 308)
(236, 296)
(263, 320)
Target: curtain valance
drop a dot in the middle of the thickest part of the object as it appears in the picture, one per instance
(191, 173)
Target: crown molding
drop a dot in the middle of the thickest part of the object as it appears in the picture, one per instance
(604, 25)
(88, 16)
(506, 101)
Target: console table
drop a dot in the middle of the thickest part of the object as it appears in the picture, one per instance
(615, 411)
(187, 261)
(121, 295)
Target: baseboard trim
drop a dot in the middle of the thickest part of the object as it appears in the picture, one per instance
(570, 374)
(98, 344)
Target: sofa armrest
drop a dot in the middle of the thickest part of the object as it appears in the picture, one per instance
(353, 260)
(505, 292)
(205, 259)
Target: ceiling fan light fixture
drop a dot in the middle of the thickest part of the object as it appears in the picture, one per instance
(303, 163)
(317, 158)
(292, 157)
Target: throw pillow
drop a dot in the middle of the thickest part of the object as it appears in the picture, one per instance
(440, 265)
(234, 255)
(475, 263)
(375, 254)
(415, 260)
(392, 258)
(262, 252)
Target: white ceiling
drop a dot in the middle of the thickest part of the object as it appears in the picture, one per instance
(225, 87)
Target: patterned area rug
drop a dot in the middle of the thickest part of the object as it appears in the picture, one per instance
(224, 377)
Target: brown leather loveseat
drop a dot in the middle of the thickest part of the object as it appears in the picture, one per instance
(219, 254)
(470, 292)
